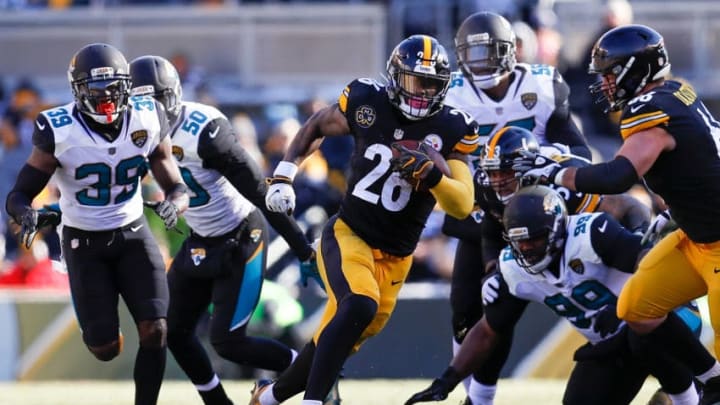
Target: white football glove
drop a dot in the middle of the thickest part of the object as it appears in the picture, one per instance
(490, 290)
(657, 228)
(536, 167)
(280, 196)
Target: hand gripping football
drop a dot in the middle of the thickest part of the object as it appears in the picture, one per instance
(414, 145)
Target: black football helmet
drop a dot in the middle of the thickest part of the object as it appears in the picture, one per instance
(485, 45)
(535, 220)
(156, 76)
(634, 55)
(498, 155)
(419, 76)
(100, 79)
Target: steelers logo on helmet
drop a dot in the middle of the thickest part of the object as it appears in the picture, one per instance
(419, 76)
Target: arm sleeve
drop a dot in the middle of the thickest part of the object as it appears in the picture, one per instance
(455, 195)
(505, 312)
(43, 139)
(225, 154)
(30, 182)
(560, 126)
(614, 177)
(615, 245)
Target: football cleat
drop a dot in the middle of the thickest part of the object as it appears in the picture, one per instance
(711, 392)
(660, 397)
(333, 397)
(259, 387)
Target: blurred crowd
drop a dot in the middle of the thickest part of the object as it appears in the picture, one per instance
(266, 130)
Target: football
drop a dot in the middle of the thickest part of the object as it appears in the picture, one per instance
(434, 155)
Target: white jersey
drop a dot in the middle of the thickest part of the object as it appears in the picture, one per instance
(216, 207)
(99, 180)
(528, 103)
(585, 285)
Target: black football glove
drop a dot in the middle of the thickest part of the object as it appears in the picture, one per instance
(166, 210)
(412, 165)
(31, 221)
(439, 389)
(606, 321)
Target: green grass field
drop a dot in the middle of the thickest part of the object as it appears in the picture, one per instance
(352, 392)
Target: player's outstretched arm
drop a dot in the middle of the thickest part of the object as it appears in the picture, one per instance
(167, 175)
(329, 121)
(476, 347)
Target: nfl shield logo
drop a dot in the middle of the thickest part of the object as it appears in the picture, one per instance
(529, 100)
(398, 134)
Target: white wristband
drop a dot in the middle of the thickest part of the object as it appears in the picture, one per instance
(286, 169)
(559, 176)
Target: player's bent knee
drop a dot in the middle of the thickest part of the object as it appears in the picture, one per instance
(108, 351)
(360, 308)
(153, 333)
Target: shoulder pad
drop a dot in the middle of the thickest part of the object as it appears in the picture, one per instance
(643, 112)
(358, 88)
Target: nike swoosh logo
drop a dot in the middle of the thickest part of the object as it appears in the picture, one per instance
(39, 125)
(602, 227)
(395, 282)
(135, 228)
(214, 133)
(635, 108)
(716, 270)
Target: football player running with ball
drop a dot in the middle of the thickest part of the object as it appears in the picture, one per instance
(222, 262)
(365, 250)
(98, 148)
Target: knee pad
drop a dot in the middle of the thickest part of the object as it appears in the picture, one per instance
(153, 333)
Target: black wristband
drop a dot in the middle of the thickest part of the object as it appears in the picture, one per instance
(433, 178)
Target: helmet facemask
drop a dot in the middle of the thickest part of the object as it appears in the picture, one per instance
(419, 94)
(503, 180)
(418, 76)
(534, 221)
(534, 251)
(484, 60)
(102, 99)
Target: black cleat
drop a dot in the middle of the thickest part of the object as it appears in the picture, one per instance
(711, 392)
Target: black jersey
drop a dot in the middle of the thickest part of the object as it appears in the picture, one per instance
(687, 177)
(379, 206)
(487, 199)
(576, 202)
